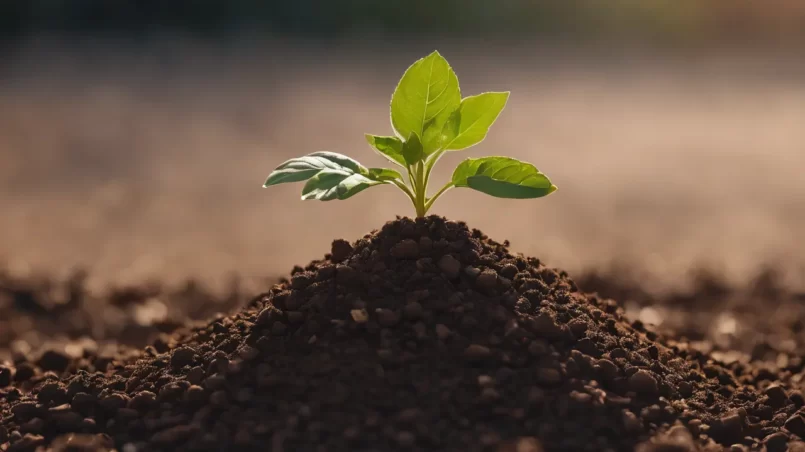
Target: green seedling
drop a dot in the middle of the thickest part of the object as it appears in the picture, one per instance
(429, 118)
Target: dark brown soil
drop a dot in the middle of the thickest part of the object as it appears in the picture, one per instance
(424, 335)
(62, 319)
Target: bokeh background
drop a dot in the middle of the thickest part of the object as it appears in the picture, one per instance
(135, 135)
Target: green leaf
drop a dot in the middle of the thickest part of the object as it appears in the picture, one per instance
(389, 147)
(303, 168)
(469, 125)
(330, 184)
(503, 177)
(412, 149)
(427, 94)
(384, 174)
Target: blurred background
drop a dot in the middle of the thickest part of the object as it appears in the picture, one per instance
(135, 134)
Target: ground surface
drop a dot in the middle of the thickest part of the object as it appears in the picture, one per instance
(421, 336)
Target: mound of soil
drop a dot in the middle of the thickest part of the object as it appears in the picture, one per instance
(424, 335)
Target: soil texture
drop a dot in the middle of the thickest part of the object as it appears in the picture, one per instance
(423, 335)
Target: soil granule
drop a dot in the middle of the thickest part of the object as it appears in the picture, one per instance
(424, 335)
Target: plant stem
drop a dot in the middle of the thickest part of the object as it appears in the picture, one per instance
(411, 178)
(421, 185)
(441, 191)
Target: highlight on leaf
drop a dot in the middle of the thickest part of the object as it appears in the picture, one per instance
(389, 147)
(429, 118)
(502, 177)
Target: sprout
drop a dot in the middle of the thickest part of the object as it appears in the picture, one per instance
(429, 118)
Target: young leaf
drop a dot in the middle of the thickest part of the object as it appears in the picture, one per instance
(384, 174)
(388, 147)
(423, 100)
(469, 125)
(502, 177)
(412, 149)
(303, 168)
(330, 184)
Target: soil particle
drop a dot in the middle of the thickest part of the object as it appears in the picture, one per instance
(544, 325)
(24, 372)
(267, 317)
(413, 311)
(182, 356)
(114, 402)
(549, 376)
(142, 401)
(340, 250)
(54, 360)
(487, 280)
(729, 428)
(677, 439)
(776, 442)
(5, 376)
(450, 266)
(25, 411)
(387, 317)
(475, 352)
(777, 395)
(607, 369)
(195, 375)
(81, 443)
(643, 382)
(406, 249)
(796, 425)
(28, 443)
(472, 272)
(442, 332)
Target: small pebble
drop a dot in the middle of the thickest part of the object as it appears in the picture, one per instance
(450, 266)
(472, 272)
(549, 376)
(731, 427)
(25, 372)
(182, 356)
(442, 332)
(776, 442)
(406, 249)
(340, 250)
(5, 377)
(477, 352)
(607, 369)
(643, 382)
(796, 425)
(777, 395)
(359, 315)
(413, 311)
(387, 318)
(487, 280)
(54, 360)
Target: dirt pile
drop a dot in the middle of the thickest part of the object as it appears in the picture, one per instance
(424, 335)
